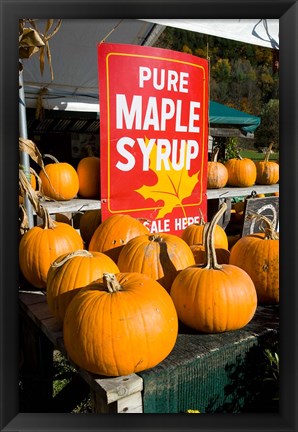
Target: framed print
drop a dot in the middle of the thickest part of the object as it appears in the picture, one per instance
(150, 418)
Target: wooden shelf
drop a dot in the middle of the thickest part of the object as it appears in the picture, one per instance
(78, 204)
(230, 192)
(71, 206)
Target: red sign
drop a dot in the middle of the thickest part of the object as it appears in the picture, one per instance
(153, 135)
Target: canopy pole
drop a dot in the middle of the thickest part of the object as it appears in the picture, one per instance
(24, 157)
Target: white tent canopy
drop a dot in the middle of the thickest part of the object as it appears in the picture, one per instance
(262, 32)
(74, 60)
(74, 53)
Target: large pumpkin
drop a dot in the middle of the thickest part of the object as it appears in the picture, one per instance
(89, 221)
(69, 273)
(42, 245)
(258, 255)
(159, 256)
(193, 234)
(267, 171)
(242, 172)
(88, 170)
(213, 298)
(217, 173)
(120, 324)
(114, 232)
(61, 180)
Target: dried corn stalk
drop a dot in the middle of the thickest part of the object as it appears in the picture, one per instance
(32, 40)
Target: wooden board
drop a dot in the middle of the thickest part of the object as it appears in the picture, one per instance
(81, 205)
(238, 191)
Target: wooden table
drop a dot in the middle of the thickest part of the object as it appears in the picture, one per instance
(192, 369)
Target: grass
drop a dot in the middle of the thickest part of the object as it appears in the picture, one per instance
(63, 374)
(258, 156)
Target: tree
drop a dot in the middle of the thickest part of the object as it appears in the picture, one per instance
(268, 131)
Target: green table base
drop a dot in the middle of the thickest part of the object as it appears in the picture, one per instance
(221, 373)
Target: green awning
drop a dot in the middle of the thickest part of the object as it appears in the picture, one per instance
(224, 115)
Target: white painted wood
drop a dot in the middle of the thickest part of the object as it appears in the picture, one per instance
(130, 404)
(120, 387)
(71, 206)
(81, 205)
(229, 192)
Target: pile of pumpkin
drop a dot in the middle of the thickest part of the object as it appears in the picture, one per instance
(60, 180)
(242, 172)
(120, 298)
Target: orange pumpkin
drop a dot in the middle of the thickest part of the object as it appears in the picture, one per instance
(61, 217)
(33, 181)
(258, 255)
(70, 272)
(241, 172)
(61, 180)
(88, 170)
(114, 232)
(214, 298)
(267, 171)
(217, 173)
(159, 256)
(193, 234)
(120, 324)
(41, 245)
(199, 253)
(89, 221)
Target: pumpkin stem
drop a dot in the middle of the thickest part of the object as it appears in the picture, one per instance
(155, 237)
(51, 157)
(268, 152)
(209, 239)
(82, 253)
(202, 220)
(204, 234)
(89, 150)
(110, 283)
(268, 229)
(48, 222)
(239, 155)
(215, 155)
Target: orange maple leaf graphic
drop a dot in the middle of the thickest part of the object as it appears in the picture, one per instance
(172, 186)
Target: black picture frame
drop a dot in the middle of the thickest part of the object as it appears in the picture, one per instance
(11, 11)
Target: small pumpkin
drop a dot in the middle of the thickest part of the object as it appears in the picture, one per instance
(89, 221)
(88, 170)
(160, 256)
(120, 324)
(114, 232)
(213, 298)
(258, 255)
(217, 173)
(61, 217)
(267, 171)
(69, 272)
(193, 234)
(199, 253)
(41, 245)
(242, 172)
(60, 180)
